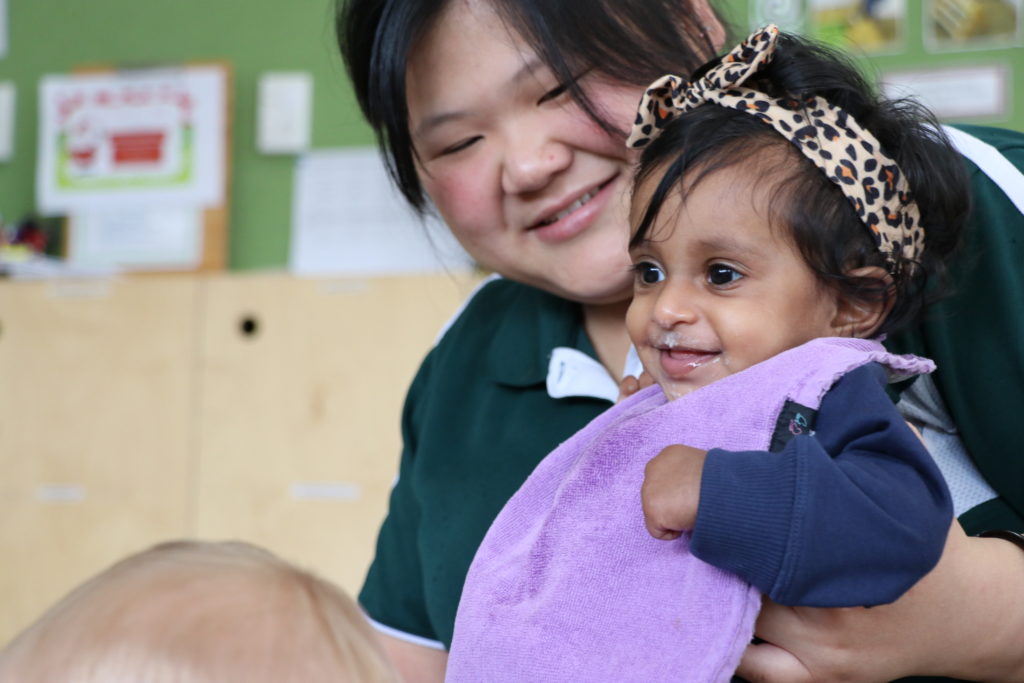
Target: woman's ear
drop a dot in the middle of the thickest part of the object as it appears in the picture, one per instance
(861, 318)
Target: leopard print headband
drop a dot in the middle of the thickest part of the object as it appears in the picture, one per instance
(849, 155)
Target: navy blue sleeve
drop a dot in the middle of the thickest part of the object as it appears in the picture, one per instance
(852, 515)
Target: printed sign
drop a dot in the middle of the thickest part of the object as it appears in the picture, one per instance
(972, 24)
(867, 26)
(153, 138)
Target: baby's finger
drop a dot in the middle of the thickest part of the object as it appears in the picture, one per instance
(662, 533)
(654, 516)
(628, 386)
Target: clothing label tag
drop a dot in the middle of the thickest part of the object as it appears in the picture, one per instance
(794, 420)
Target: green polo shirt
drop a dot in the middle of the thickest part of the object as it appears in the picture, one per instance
(976, 338)
(477, 420)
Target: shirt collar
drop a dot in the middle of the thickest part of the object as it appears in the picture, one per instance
(559, 355)
(532, 326)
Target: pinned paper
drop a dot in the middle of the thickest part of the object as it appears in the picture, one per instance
(3, 28)
(6, 121)
(284, 106)
(957, 93)
(155, 239)
(348, 219)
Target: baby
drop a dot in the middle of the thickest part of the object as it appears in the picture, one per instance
(784, 218)
(199, 612)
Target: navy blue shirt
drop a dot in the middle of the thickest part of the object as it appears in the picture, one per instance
(852, 515)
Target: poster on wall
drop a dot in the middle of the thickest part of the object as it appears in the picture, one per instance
(979, 93)
(868, 26)
(954, 25)
(165, 239)
(788, 15)
(132, 138)
(3, 28)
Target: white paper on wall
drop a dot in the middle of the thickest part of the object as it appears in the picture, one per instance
(348, 219)
(154, 239)
(7, 110)
(970, 92)
(3, 29)
(284, 112)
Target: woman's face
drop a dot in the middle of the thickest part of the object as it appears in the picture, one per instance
(530, 185)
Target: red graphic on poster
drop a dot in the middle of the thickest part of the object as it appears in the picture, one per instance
(138, 147)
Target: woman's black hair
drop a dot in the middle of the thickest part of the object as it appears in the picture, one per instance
(631, 42)
(820, 219)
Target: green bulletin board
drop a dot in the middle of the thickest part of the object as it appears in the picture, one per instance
(257, 36)
(962, 57)
(254, 36)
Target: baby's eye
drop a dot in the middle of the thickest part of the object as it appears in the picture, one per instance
(720, 274)
(647, 273)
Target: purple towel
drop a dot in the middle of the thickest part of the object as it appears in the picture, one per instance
(569, 586)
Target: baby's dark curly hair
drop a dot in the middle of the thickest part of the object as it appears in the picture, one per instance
(820, 219)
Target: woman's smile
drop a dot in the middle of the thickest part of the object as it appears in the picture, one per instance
(565, 223)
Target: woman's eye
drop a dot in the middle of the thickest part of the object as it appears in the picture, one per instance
(563, 88)
(459, 146)
(720, 274)
(554, 93)
(647, 273)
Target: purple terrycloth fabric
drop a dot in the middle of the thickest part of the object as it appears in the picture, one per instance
(569, 586)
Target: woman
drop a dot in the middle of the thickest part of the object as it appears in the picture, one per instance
(508, 115)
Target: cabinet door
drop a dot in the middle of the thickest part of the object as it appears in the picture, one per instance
(303, 383)
(96, 389)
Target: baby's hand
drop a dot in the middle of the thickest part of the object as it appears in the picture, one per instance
(671, 491)
(630, 384)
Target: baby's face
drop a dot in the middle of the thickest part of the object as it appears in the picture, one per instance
(717, 288)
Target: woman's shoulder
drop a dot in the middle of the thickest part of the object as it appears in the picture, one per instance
(1000, 138)
(992, 152)
(995, 158)
(498, 304)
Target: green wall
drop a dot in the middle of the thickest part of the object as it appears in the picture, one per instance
(55, 36)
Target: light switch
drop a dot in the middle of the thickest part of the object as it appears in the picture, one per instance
(284, 112)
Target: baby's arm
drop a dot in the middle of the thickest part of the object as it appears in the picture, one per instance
(854, 515)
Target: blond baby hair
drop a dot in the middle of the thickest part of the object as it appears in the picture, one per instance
(200, 612)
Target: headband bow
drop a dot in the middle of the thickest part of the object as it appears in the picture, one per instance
(848, 154)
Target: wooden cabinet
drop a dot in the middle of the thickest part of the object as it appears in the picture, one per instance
(259, 407)
(96, 397)
(303, 383)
